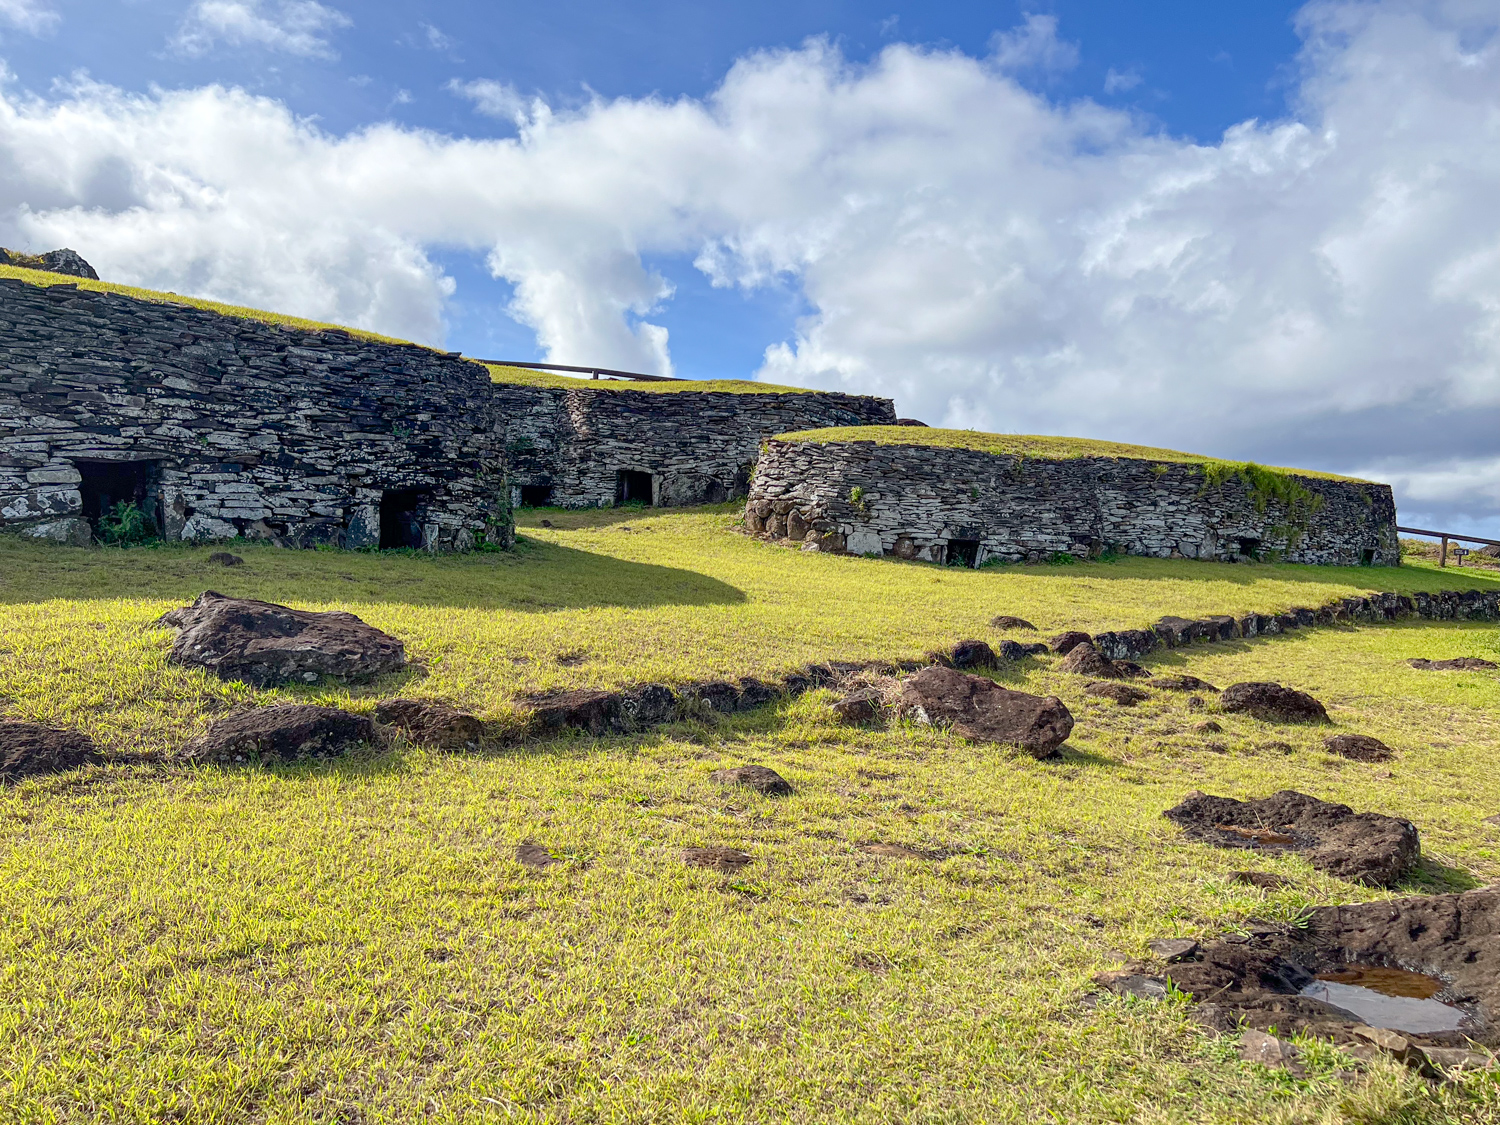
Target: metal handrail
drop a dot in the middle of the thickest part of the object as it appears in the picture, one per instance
(1447, 535)
(634, 376)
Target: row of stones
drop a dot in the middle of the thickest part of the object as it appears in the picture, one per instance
(250, 428)
(914, 501)
(698, 446)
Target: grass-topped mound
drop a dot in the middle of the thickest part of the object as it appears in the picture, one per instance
(527, 377)
(1040, 446)
(46, 278)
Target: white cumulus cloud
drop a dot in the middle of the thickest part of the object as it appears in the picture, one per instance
(1320, 290)
(31, 16)
(296, 27)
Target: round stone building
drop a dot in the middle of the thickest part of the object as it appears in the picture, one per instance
(966, 498)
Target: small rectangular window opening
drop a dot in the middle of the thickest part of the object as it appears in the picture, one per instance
(1367, 557)
(400, 518)
(963, 552)
(633, 486)
(536, 495)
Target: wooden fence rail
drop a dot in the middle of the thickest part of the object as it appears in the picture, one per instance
(1447, 535)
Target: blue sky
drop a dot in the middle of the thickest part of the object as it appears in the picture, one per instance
(1191, 69)
(1257, 230)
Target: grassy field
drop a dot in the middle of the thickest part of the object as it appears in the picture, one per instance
(1024, 445)
(356, 942)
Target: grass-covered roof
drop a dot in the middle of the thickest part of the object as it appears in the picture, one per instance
(1028, 445)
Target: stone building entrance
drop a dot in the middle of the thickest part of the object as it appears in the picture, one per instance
(106, 484)
(633, 487)
(400, 517)
(963, 552)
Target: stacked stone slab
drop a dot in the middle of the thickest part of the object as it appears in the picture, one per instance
(916, 501)
(240, 428)
(697, 446)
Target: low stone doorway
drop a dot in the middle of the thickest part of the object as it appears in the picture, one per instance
(106, 484)
(400, 518)
(633, 486)
(963, 552)
(536, 495)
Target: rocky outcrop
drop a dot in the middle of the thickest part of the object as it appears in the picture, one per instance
(63, 261)
(263, 644)
(1362, 847)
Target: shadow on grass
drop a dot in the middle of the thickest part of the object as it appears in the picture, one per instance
(1432, 878)
(536, 578)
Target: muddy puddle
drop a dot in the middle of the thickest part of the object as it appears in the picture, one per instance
(1388, 998)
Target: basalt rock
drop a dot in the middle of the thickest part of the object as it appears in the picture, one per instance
(1011, 651)
(970, 654)
(263, 644)
(432, 723)
(1005, 621)
(1358, 748)
(1122, 694)
(281, 732)
(1064, 643)
(860, 706)
(1458, 664)
(1182, 683)
(31, 749)
(762, 779)
(1084, 659)
(981, 709)
(1272, 703)
(224, 558)
(603, 712)
(1361, 847)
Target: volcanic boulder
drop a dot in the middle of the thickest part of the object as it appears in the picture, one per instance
(29, 749)
(981, 709)
(1362, 847)
(1272, 703)
(263, 644)
(1123, 694)
(281, 732)
(1064, 643)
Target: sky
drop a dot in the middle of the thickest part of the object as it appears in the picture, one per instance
(1256, 230)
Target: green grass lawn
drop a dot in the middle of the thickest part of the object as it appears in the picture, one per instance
(356, 942)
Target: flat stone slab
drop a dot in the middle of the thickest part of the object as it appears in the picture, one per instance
(263, 644)
(603, 712)
(981, 709)
(861, 706)
(1122, 694)
(1272, 703)
(1458, 664)
(32, 749)
(282, 732)
(1362, 847)
(1182, 683)
(1006, 621)
(431, 722)
(716, 858)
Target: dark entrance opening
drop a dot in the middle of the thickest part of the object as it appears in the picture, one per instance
(1250, 548)
(963, 552)
(632, 487)
(536, 495)
(1367, 557)
(400, 518)
(108, 484)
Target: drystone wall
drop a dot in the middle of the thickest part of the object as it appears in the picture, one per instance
(221, 427)
(592, 447)
(956, 505)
